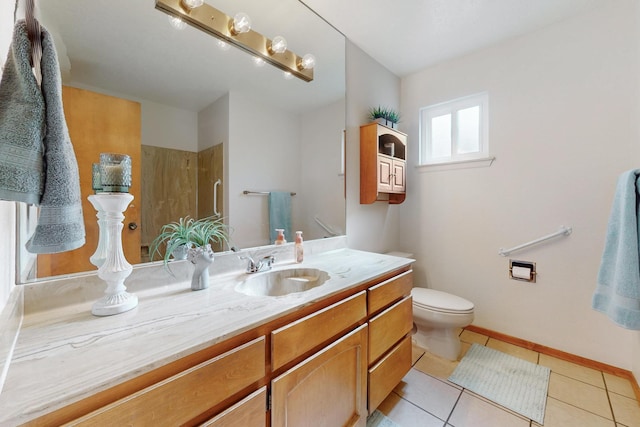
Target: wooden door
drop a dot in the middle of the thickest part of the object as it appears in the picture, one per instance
(328, 389)
(99, 124)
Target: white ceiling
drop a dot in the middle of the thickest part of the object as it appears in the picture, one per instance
(408, 35)
(127, 47)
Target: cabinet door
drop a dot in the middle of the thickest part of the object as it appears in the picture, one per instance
(385, 174)
(398, 176)
(328, 389)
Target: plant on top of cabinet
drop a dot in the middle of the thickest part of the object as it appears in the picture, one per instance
(385, 116)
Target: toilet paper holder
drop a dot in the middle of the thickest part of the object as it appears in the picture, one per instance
(524, 271)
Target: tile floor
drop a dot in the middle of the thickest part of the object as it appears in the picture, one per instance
(578, 396)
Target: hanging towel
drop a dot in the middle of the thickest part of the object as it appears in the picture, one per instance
(280, 214)
(60, 223)
(618, 291)
(22, 113)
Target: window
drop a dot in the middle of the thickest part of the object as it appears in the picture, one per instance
(455, 131)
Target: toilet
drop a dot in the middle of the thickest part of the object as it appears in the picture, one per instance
(437, 316)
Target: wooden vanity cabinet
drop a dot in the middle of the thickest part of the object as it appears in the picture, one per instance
(382, 164)
(334, 360)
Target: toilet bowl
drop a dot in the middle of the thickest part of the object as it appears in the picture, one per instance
(437, 316)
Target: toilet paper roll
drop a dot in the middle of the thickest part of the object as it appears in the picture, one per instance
(521, 272)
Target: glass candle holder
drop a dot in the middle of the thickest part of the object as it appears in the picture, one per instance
(115, 172)
(96, 183)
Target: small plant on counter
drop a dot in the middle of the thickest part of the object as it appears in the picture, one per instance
(190, 234)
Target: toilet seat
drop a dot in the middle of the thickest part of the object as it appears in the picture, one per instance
(439, 301)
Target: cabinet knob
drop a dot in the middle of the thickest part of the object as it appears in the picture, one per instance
(132, 226)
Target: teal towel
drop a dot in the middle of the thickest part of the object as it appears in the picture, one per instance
(280, 214)
(22, 125)
(618, 291)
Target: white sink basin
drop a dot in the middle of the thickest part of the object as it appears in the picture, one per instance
(282, 282)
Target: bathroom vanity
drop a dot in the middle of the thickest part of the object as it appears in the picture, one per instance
(219, 357)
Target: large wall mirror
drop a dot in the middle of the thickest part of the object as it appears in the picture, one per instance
(204, 124)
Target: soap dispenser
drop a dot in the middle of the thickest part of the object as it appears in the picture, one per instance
(280, 240)
(299, 251)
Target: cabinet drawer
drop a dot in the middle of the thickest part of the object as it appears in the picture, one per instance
(388, 372)
(250, 411)
(182, 397)
(389, 291)
(389, 327)
(301, 336)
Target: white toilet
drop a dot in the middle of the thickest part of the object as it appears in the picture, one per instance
(437, 316)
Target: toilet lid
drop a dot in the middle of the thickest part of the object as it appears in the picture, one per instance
(440, 301)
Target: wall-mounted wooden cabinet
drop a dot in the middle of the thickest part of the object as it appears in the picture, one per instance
(383, 157)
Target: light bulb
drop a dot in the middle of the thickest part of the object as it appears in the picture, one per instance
(278, 45)
(241, 23)
(287, 75)
(307, 62)
(258, 62)
(177, 23)
(192, 4)
(224, 46)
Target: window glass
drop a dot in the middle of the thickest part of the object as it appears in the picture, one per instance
(469, 130)
(441, 136)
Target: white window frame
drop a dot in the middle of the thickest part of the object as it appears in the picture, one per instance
(451, 107)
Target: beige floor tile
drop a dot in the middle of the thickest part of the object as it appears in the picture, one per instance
(406, 414)
(580, 394)
(568, 369)
(473, 337)
(428, 393)
(619, 385)
(625, 410)
(513, 350)
(473, 412)
(436, 366)
(560, 414)
(416, 353)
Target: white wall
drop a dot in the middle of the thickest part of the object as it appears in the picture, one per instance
(7, 209)
(563, 126)
(373, 227)
(168, 127)
(213, 124)
(263, 155)
(322, 183)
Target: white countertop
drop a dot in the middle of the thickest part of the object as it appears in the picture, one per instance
(64, 353)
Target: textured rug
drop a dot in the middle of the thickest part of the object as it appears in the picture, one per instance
(514, 383)
(378, 419)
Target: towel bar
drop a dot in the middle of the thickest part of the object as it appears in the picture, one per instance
(261, 192)
(562, 231)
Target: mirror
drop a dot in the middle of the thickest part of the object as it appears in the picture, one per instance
(274, 134)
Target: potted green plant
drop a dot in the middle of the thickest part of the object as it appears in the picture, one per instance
(196, 236)
(385, 116)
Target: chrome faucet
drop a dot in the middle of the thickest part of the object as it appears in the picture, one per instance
(263, 264)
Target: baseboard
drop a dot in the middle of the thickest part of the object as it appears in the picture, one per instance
(578, 360)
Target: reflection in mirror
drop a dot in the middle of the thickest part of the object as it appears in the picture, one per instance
(191, 114)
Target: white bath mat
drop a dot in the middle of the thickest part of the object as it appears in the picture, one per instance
(511, 382)
(378, 419)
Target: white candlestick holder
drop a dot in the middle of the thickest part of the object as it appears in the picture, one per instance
(113, 268)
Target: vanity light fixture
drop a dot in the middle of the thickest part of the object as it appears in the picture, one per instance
(237, 31)
(277, 45)
(177, 23)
